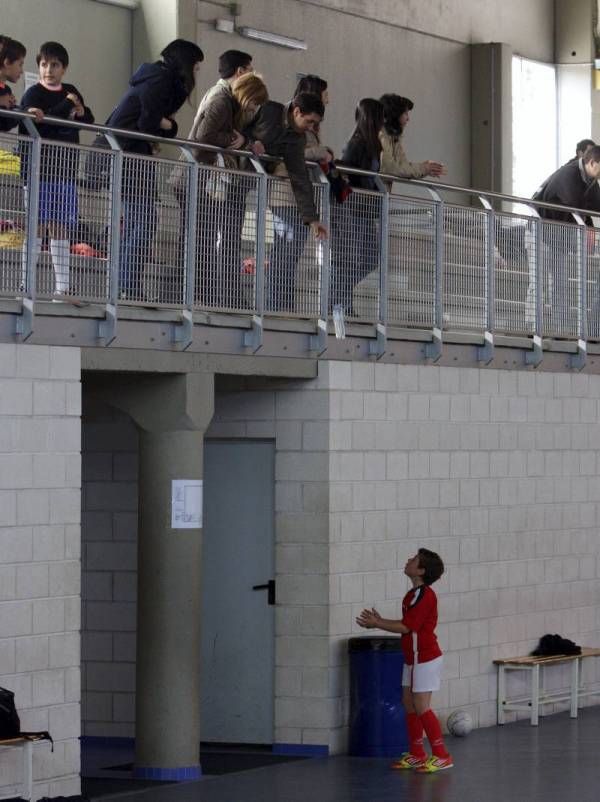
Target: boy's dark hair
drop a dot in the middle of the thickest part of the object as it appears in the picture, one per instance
(51, 50)
(432, 564)
(11, 50)
(311, 83)
(309, 104)
(583, 145)
(231, 60)
(592, 155)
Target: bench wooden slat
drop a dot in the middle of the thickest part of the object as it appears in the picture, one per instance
(528, 659)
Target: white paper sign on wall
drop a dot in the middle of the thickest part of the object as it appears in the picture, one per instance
(186, 504)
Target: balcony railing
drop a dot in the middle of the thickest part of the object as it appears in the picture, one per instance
(165, 231)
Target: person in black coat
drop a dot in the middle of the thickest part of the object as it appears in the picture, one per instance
(156, 92)
(573, 184)
(355, 249)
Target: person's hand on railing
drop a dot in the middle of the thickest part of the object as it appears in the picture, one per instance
(319, 230)
(435, 169)
(257, 148)
(237, 140)
(37, 113)
(8, 101)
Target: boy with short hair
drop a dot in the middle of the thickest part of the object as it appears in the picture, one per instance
(422, 662)
(58, 207)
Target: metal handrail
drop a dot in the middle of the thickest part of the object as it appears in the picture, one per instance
(557, 260)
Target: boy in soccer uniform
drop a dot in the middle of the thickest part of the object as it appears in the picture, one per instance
(422, 662)
(58, 207)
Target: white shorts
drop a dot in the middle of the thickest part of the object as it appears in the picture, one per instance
(423, 677)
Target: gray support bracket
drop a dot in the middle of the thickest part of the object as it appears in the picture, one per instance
(318, 342)
(485, 352)
(578, 360)
(433, 350)
(253, 339)
(183, 331)
(536, 355)
(24, 325)
(377, 347)
(107, 328)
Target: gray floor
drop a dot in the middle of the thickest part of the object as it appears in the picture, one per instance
(558, 761)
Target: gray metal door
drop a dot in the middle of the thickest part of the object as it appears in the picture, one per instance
(238, 623)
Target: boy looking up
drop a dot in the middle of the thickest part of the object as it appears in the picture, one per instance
(422, 661)
(58, 208)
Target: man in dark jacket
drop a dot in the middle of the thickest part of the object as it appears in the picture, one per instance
(573, 184)
(282, 129)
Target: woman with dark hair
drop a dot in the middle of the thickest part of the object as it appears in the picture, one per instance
(355, 250)
(156, 92)
(393, 158)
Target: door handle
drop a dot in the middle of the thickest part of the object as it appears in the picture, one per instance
(270, 588)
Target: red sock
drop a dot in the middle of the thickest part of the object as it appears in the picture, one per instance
(415, 735)
(432, 727)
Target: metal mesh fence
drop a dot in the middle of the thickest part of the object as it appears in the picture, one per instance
(152, 248)
(354, 276)
(294, 258)
(411, 262)
(464, 280)
(514, 273)
(226, 240)
(593, 283)
(13, 217)
(559, 261)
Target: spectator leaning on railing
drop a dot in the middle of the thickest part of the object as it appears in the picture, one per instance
(393, 158)
(156, 92)
(289, 230)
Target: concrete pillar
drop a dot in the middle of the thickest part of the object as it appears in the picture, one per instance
(172, 413)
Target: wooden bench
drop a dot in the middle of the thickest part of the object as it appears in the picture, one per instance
(26, 745)
(538, 696)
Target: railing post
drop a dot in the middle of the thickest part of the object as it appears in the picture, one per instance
(318, 341)
(378, 347)
(535, 356)
(107, 328)
(254, 338)
(433, 350)
(485, 353)
(25, 322)
(578, 360)
(183, 331)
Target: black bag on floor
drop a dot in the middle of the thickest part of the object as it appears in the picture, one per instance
(10, 725)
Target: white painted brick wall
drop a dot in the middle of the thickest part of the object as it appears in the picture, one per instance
(40, 491)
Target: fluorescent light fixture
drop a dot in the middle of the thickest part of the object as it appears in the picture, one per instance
(273, 38)
(130, 4)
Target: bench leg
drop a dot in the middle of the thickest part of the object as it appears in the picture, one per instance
(535, 695)
(574, 687)
(501, 693)
(28, 770)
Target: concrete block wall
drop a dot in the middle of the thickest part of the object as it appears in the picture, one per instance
(40, 487)
(109, 536)
(499, 472)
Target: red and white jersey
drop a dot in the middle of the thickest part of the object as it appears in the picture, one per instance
(419, 614)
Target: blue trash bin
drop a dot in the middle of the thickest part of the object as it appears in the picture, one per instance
(377, 717)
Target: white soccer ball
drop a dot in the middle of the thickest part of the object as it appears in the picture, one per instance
(459, 723)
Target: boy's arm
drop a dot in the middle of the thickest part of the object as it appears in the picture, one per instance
(370, 619)
(86, 116)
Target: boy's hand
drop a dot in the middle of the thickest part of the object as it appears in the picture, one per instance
(74, 98)
(8, 101)
(369, 619)
(37, 113)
